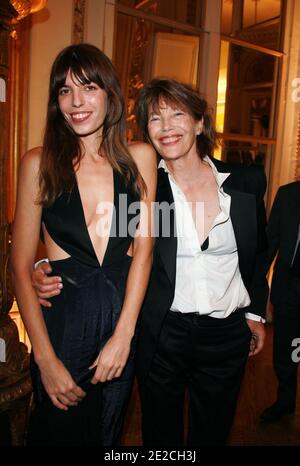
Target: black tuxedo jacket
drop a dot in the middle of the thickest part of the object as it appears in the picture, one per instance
(246, 186)
(282, 233)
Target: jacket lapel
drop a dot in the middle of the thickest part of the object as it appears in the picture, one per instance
(243, 218)
(294, 218)
(166, 240)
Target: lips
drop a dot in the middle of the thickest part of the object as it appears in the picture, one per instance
(169, 140)
(80, 117)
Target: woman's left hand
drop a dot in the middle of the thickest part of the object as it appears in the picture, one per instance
(112, 359)
(258, 336)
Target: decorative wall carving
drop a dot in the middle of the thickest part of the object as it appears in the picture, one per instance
(5, 298)
(131, 54)
(15, 382)
(23, 8)
(141, 34)
(78, 29)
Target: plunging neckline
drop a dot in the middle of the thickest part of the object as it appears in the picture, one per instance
(85, 224)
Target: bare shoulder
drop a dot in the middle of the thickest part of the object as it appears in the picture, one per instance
(30, 166)
(143, 153)
(31, 159)
(146, 160)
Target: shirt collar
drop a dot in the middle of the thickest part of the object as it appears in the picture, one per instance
(220, 177)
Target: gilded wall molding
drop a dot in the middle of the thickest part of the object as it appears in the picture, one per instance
(17, 121)
(78, 25)
(7, 15)
(15, 382)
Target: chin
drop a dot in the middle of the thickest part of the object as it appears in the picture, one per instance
(171, 157)
(86, 132)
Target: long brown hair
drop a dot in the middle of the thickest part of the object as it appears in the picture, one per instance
(181, 96)
(62, 149)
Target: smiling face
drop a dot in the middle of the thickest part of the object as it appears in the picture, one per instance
(84, 106)
(173, 131)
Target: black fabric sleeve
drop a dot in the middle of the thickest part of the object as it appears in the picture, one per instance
(259, 288)
(273, 228)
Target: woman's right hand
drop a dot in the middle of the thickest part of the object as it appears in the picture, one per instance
(45, 287)
(59, 384)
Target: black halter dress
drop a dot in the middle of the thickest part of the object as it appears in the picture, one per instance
(81, 320)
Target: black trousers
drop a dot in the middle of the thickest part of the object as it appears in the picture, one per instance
(286, 328)
(207, 357)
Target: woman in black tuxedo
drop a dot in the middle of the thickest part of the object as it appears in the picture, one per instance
(204, 309)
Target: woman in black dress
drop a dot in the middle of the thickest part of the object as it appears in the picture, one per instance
(91, 199)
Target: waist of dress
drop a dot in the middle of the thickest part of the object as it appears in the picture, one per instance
(76, 272)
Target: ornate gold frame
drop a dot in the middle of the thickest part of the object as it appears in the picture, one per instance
(17, 113)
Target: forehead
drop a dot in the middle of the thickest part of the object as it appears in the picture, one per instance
(163, 104)
(75, 78)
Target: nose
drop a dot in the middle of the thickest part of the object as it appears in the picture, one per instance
(165, 123)
(77, 98)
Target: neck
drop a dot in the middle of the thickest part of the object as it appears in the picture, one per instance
(91, 146)
(188, 170)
